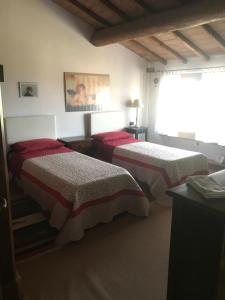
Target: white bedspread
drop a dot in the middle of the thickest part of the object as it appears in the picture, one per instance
(80, 191)
(159, 166)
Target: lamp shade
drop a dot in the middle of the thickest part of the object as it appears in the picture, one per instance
(137, 103)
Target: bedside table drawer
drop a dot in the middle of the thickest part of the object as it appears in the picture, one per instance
(81, 146)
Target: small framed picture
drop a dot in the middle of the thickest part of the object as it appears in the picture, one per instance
(28, 89)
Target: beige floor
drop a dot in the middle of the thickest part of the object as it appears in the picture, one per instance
(126, 259)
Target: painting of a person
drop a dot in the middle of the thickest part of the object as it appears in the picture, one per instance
(85, 92)
(28, 92)
(80, 97)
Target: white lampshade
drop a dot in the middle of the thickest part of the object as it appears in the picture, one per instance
(137, 103)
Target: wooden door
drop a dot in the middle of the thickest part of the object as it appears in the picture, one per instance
(8, 276)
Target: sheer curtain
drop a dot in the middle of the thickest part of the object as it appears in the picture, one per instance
(150, 94)
(192, 103)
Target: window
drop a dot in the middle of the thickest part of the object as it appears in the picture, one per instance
(192, 105)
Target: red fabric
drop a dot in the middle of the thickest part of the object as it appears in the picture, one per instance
(17, 158)
(111, 136)
(104, 150)
(35, 145)
(67, 204)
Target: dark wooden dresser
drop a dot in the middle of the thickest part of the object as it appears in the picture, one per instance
(81, 144)
(197, 261)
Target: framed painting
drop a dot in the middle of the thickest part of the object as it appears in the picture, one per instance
(86, 92)
(28, 89)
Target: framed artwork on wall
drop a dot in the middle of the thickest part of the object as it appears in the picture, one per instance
(86, 92)
(28, 89)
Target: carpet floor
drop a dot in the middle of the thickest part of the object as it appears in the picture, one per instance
(125, 259)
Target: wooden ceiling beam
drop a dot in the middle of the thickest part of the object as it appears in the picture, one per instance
(90, 13)
(146, 51)
(115, 9)
(138, 45)
(160, 43)
(148, 9)
(163, 45)
(105, 23)
(186, 16)
(191, 45)
(215, 35)
(144, 5)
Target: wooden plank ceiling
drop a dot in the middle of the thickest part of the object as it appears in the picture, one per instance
(206, 40)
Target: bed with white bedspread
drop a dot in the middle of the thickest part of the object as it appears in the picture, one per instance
(157, 166)
(80, 192)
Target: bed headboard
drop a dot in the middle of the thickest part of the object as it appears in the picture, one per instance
(30, 127)
(107, 121)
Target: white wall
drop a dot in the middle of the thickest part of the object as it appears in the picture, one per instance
(212, 151)
(40, 41)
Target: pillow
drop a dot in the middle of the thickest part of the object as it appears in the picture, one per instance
(112, 135)
(36, 144)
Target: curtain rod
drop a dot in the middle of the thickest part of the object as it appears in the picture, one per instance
(153, 70)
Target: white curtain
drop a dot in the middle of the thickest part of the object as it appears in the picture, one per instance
(151, 92)
(192, 103)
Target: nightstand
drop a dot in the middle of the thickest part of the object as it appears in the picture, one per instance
(80, 144)
(137, 130)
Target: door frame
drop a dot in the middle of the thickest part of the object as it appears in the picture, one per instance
(8, 273)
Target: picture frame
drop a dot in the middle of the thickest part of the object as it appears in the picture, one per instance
(28, 89)
(86, 92)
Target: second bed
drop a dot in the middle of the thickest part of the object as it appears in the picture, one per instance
(158, 166)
